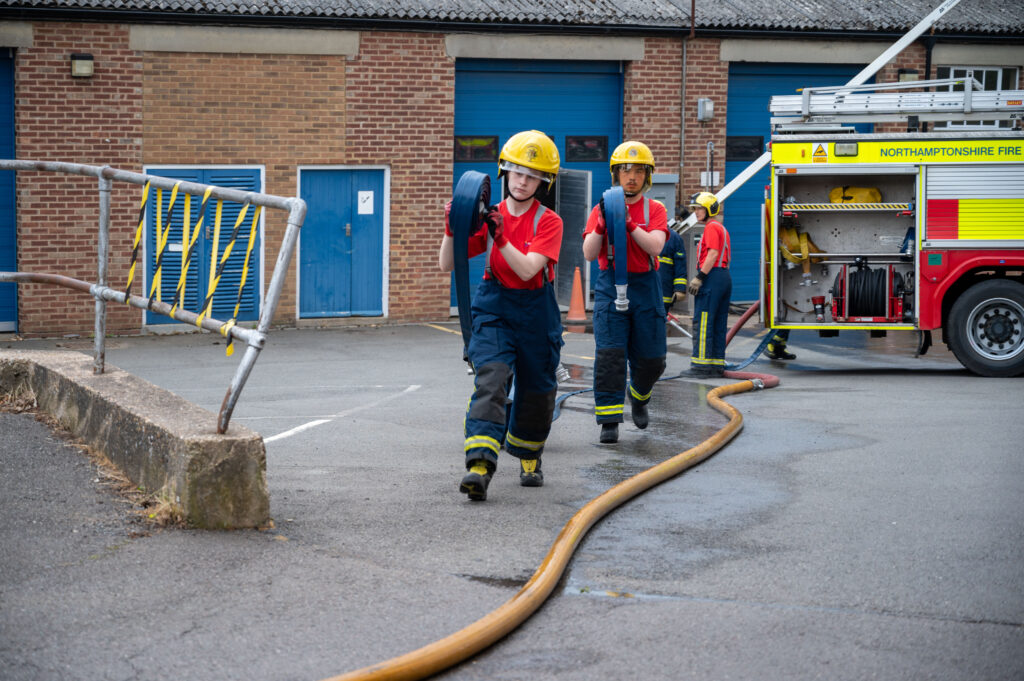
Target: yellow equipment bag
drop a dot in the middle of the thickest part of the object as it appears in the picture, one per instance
(855, 195)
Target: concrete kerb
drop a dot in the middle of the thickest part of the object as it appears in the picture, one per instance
(160, 441)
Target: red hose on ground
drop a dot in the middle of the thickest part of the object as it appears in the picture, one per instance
(769, 380)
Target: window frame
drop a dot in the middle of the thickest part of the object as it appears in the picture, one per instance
(1007, 78)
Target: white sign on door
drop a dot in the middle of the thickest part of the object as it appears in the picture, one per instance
(365, 203)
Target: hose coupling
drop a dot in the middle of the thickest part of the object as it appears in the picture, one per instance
(621, 301)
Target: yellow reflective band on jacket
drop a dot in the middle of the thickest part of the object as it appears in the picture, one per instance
(524, 444)
(483, 441)
(680, 281)
(666, 299)
(638, 396)
(608, 409)
(665, 260)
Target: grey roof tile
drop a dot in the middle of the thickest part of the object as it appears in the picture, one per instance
(970, 16)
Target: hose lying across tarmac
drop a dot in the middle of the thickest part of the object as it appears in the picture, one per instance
(491, 628)
(488, 630)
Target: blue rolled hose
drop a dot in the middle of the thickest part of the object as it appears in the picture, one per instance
(470, 200)
(615, 218)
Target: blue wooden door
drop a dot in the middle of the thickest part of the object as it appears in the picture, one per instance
(748, 130)
(341, 247)
(577, 104)
(8, 221)
(200, 268)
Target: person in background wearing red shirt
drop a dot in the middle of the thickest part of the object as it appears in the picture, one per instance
(637, 335)
(517, 325)
(711, 289)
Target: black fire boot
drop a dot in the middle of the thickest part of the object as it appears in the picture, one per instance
(640, 416)
(530, 474)
(474, 483)
(609, 433)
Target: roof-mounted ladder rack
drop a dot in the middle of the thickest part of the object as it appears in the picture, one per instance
(816, 106)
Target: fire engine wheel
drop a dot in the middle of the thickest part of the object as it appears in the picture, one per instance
(986, 328)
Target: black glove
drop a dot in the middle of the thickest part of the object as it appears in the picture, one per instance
(496, 226)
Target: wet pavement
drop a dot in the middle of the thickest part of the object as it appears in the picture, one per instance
(865, 523)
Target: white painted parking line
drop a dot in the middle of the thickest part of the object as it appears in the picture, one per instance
(313, 424)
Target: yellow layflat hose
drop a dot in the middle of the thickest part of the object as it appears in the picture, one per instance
(491, 628)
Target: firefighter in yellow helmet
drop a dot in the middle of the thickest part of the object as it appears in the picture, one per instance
(517, 325)
(711, 289)
(634, 337)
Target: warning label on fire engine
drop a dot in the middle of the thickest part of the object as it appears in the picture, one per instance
(820, 154)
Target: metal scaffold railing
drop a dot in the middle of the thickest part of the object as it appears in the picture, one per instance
(254, 339)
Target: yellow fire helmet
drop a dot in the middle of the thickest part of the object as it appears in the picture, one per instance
(707, 201)
(530, 152)
(632, 153)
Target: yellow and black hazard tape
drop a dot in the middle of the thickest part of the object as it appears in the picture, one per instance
(207, 307)
(846, 206)
(136, 242)
(188, 245)
(215, 270)
(162, 234)
(226, 328)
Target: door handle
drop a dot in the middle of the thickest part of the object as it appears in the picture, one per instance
(348, 229)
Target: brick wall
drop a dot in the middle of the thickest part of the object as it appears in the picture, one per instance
(280, 111)
(95, 121)
(653, 101)
(706, 76)
(401, 102)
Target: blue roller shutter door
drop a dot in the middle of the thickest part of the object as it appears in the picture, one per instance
(748, 130)
(246, 179)
(8, 222)
(502, 97)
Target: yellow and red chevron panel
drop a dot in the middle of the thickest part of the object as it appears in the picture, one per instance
(975, 218)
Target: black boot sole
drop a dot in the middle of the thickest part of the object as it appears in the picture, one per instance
(474, 486)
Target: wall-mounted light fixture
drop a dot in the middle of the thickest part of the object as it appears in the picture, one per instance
(705, 109)
(81, 65)
(907, 75)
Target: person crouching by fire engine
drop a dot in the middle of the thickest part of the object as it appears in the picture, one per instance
(636, 335)
(711, 289)
(517, 325)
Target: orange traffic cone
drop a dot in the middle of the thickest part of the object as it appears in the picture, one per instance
(577, 313)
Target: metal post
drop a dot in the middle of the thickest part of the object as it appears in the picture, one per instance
(284, 256)
(100, 358)
(254, 338)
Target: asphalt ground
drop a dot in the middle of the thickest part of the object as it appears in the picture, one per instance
(865, 523)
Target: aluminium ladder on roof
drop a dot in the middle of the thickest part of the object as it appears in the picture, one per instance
(887, 102)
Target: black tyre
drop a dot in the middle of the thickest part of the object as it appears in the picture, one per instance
(986, 328)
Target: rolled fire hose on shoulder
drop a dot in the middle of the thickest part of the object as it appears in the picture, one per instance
(470, 200)
(618, 244)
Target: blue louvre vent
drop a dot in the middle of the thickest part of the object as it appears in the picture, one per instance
(198, 276)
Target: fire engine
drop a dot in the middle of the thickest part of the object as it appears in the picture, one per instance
(921, 230)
